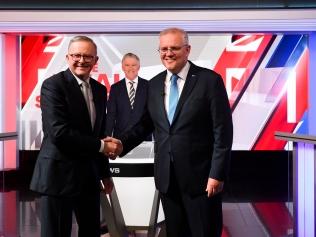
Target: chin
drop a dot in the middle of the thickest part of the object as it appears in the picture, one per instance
(81, 75)
(170, 67)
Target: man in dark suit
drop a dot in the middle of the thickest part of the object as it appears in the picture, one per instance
(72, 159)
(189, 112)
(127, 98)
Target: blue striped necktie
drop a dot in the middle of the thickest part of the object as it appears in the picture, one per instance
(173, 96)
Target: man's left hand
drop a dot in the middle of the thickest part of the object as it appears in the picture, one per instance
(214, 187)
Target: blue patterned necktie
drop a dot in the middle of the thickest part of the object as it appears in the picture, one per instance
(173, 97)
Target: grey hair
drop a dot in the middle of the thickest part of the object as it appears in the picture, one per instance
(130, 55)
(82, 38)
(174, 30)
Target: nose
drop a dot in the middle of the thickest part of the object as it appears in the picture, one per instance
(81, 59)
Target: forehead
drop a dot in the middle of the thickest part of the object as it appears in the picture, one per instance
(82, 47)
(172, 38)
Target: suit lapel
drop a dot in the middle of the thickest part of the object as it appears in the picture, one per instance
(139, 93)
(125, 97)
(188, 86)
(97, 105)
(76, 95)
(160, 90)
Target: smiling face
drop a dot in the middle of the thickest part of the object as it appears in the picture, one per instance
(174, 50)
(130, 66)
(81, 58)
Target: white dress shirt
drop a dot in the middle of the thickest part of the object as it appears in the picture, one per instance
(181, 80)
(79, 83)
(128, 86)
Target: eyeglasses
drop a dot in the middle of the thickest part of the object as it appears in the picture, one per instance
(86, 58)
(171, 49)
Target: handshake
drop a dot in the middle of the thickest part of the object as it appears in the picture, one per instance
(112, 147)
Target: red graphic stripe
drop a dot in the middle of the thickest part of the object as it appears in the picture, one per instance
(276, 218)
(278, 121)
(225, 232)
(33, 58)
(242, 59)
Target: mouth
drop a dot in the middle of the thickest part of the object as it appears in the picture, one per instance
(82, 67)
(169, 60)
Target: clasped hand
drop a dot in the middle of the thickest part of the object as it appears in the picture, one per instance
(112, 147)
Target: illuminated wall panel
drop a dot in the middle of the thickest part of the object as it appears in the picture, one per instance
(9, 110)
(266, 77)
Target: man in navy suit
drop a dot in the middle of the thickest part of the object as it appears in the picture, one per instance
(189, 113)
(73, 157)
(127, 98)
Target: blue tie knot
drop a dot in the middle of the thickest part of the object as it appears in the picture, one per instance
(174, 79)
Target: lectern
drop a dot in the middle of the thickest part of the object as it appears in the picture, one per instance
(304, 160)
(134, 203)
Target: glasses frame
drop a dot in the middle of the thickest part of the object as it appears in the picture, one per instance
(173, 50)
(86, 58)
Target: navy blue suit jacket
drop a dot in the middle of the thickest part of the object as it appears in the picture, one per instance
(198, 141)
(120, 115)
(69, 162)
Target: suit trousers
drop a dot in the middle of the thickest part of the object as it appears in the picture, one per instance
(57, 212)
(191, 216)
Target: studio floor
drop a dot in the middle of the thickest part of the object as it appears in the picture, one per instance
(19, 217)
(255, 203)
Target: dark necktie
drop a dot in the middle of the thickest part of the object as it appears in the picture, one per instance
(173, 96)
(131, 93)
(89, 101)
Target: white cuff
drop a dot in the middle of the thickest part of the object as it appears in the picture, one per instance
(102, 146)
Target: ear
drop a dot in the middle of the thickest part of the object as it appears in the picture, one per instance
(188, 49)
(96, 59)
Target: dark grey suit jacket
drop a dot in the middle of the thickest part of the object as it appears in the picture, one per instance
(198, 141)
(69, 161)
(120, 115)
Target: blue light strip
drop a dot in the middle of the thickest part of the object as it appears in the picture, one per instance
(312, 84)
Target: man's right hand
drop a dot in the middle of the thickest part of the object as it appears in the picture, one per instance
(112, 147)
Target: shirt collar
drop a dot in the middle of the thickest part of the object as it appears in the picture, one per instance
(135, 80)
(80, 81)
(183, 73)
